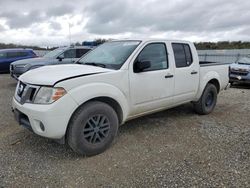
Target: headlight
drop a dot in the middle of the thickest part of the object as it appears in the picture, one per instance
(48, 95)
(21, 65)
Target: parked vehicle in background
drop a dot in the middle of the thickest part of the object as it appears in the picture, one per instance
(63, 55)
(240, 71)
(7, 56)
(118, 81)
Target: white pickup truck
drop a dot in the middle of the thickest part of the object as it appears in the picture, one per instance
(83, 104)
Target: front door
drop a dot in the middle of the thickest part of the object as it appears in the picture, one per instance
(152, 88)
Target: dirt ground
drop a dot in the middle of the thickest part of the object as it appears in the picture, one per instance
(173, 148)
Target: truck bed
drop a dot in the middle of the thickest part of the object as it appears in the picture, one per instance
(211, 63)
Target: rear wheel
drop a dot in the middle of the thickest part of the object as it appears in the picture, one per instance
(93, 128)
(208, 100)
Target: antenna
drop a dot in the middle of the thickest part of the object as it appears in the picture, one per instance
(69, 35)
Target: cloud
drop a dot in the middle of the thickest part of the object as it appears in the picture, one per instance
(55, 25)
(60, 10)
(2, 28)
(208, 20)
(123, 16)
(16, 20)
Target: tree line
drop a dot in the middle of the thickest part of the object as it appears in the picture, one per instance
(222, 45)
(199, 45)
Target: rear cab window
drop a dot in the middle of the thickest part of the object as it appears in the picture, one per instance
(182, 55)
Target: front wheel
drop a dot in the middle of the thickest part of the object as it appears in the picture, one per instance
(92, 128)
(208, 100)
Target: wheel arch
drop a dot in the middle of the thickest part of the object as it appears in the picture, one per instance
(211, 77)
(216, 83)
(111, 102)
(108, 100)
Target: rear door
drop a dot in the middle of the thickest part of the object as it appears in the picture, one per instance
(152, 88)
(186, 72)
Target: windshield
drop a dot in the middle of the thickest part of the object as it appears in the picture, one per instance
(111, 54)
(244, 61)
(54, 53)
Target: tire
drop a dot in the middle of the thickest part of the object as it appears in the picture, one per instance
(208, 100)
(92, 128)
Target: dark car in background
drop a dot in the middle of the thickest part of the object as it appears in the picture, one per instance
(7, 56)
(65, 55)
(240, 71)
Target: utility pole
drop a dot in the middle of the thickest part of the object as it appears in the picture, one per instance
(69, 35)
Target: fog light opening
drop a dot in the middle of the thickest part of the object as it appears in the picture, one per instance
(42, 126)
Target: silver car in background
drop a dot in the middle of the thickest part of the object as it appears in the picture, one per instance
(240, 71)
(65, 55)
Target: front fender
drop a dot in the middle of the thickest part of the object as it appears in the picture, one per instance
(87, 92)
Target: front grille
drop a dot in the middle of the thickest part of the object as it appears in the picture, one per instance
(239, 73)
(25, 92)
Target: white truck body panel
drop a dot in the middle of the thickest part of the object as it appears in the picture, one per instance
(136, 93)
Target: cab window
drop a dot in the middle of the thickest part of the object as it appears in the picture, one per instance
(69, 53)
(16, 54)
(81, 52)
(156, 53)
(182, 55)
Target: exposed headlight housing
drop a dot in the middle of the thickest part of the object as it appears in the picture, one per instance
(21, 65)
(48, 95)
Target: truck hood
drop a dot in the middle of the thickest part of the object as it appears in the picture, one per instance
(50, 75)
(240, 67)
(33, 61)
(242, 64)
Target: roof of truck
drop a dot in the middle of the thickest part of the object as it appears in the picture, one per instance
(74, 47)
(152, 39)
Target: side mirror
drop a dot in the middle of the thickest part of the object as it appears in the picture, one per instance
(60, 57)
(140, 66)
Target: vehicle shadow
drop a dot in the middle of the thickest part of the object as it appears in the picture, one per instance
(163, 116)
(46, 147)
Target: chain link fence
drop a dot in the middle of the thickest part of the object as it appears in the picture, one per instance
(223, 56)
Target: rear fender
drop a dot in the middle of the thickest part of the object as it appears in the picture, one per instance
(211, 75)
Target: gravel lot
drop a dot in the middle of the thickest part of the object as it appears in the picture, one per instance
(174, 148)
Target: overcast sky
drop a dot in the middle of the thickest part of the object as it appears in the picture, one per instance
(46, 22)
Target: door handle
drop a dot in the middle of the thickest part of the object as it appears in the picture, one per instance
(194, 72)
(169, 76)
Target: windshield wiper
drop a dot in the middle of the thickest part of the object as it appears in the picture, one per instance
(95, 64)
